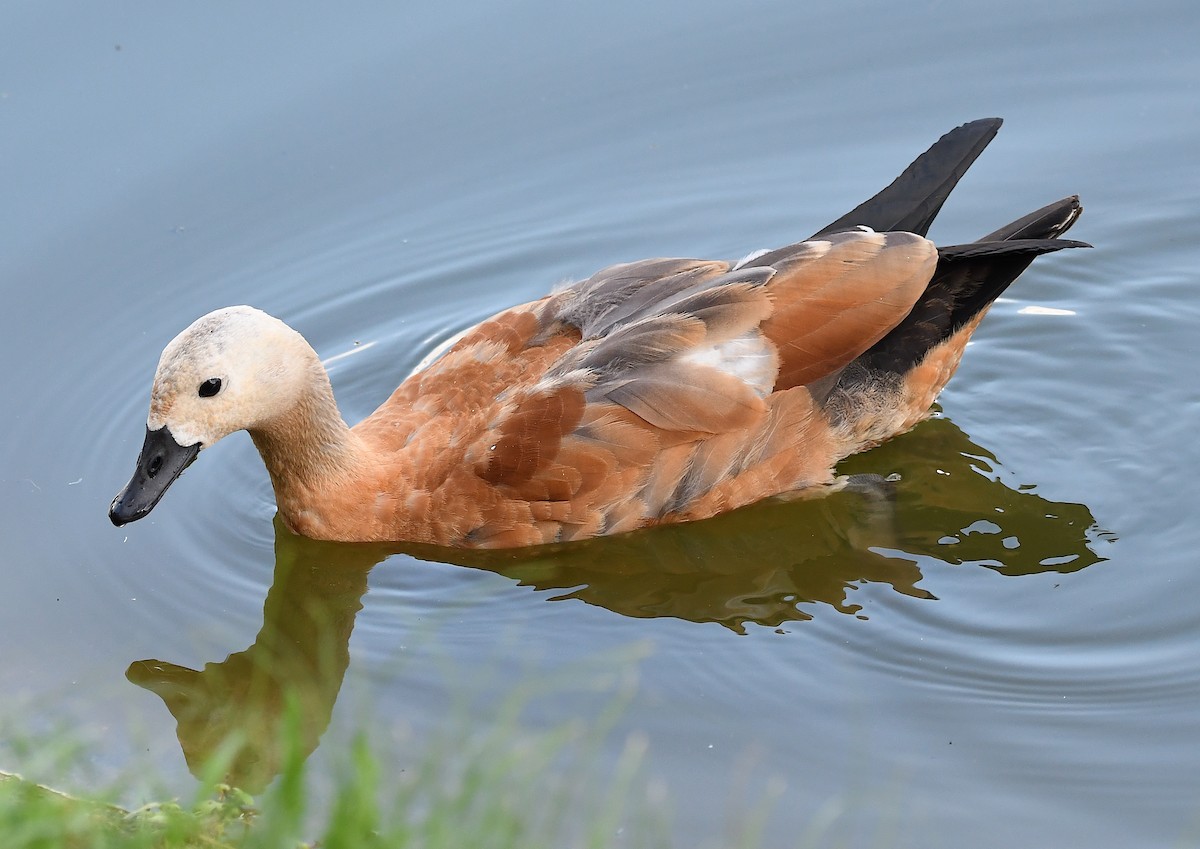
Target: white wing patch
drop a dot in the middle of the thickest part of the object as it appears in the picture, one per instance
(751, 358)
(750, 257)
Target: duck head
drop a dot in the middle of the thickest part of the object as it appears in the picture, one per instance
(234, 369)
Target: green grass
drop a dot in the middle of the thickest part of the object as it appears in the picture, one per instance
(503, 787)
(33, 816)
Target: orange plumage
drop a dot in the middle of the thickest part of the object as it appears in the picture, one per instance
(653, 392)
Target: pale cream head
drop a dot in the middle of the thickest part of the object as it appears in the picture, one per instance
(262, 365)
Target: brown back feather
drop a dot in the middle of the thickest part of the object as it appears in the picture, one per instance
(832, 303)
(529, 436)
(634, 405)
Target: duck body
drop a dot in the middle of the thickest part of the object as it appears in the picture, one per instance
(660, 391)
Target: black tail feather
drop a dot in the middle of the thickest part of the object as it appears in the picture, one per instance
(1049, 222)
(968, 278)
(916, 196)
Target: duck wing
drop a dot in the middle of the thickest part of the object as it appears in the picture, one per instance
(678, 386)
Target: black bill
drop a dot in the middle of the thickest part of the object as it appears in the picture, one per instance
(161, 461)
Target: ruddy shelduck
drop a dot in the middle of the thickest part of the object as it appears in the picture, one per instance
(659, 391)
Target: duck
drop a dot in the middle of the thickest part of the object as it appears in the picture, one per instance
(653, 392)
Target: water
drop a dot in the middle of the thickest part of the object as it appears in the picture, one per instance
(381, 178)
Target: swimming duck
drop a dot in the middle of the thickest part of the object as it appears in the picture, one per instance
(665, 390)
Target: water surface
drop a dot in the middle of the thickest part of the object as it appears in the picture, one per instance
(1007, 659)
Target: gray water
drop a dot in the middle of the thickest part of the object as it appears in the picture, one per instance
(1011, 661)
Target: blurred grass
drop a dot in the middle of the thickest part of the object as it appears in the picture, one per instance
(503, 787)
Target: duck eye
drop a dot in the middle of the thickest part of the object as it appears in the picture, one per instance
(210, 387)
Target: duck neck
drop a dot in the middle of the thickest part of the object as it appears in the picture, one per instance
(308, 449)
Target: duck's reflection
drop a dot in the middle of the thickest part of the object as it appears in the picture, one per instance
(238, 706)
(768, 564)
(780, 561)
